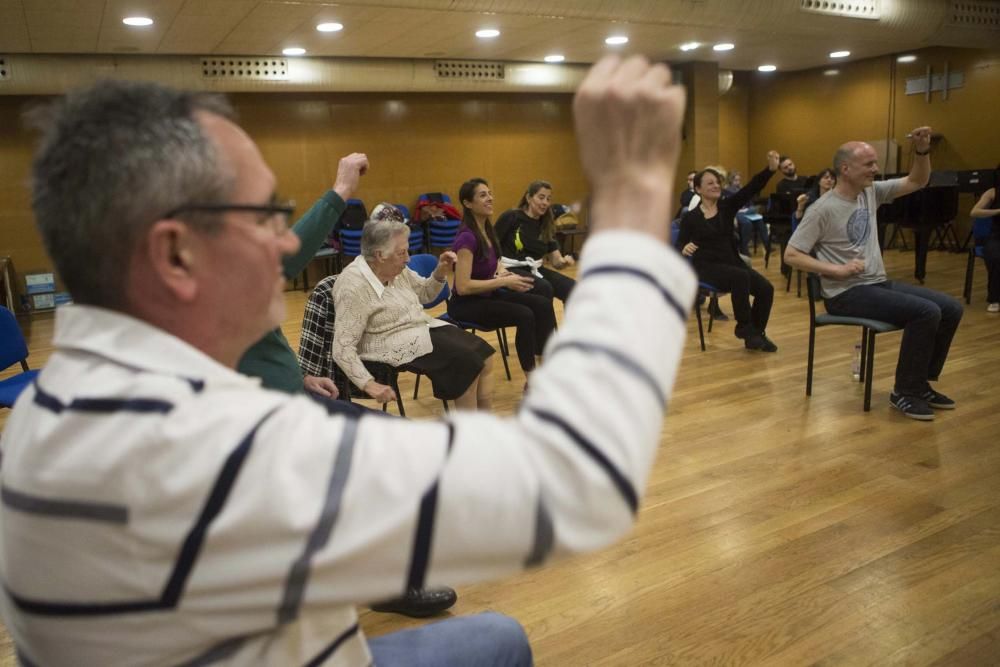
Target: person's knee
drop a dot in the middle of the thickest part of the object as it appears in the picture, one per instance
(509, 639)
(952, 310)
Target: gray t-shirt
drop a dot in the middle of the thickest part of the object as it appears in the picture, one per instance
(840, 229)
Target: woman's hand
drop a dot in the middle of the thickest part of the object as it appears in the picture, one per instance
(689, 249)
(801, 200)
(380, 392)
(773, 159)
(516, 282)
(446, 264)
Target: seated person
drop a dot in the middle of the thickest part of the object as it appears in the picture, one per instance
(748, 219)
(988, 206)
(529, 231)
(492, 296)
(840, 230)
(707, 236)
(825, 182)
(380, 317)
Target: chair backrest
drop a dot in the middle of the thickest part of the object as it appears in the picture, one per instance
(815, 294)
(350, 242)
(675, 231)
(435, 196)
(405, 210)
(424, 265)
(443, 232)
(13, 349)
(981, 228)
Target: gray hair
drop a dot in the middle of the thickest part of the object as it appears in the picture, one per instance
(114, 158)
(843, 155)
(378, 236)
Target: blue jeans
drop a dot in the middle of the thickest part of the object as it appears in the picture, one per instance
(929, 320)
(746, 227)
(484, 640)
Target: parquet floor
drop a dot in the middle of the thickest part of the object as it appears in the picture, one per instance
(779, 529)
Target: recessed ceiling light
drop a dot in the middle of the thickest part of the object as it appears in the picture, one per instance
(616, 40)
(488, 33)
(725, 46)
(137, 21)
(555, 58)
(840, 54)
(690, 46)
(294, 51)
(330, 27)
(767, 68)
(831, 72)
(906, 59)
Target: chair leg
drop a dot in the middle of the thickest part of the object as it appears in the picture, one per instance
(809, 364)
(416, 387)
(701, 332)
(864, 353)
(788, 283)
(798, 287)
(868, 370)
(714, 298)
(970, 267)
(504, 349)
(445, 403)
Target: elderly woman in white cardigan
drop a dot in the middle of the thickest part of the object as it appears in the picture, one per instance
(380, 317)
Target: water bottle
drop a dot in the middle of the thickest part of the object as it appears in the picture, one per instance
(856, 365)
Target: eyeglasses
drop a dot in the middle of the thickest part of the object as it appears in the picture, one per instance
(275, 215)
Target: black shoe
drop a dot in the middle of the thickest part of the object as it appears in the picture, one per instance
(760, 342)
(716, 313)
(937, 400)
(743, 331)
(419, 603)
(911, 406)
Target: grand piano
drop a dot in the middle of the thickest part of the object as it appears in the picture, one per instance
(927, 212)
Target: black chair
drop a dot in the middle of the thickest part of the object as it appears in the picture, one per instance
(869, 329)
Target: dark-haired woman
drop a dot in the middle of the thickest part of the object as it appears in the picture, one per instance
(529, 231)
(988, 206)
(490, 295)
(708, 237)
(825, 181)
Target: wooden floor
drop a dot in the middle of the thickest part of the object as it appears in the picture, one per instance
(780, 529)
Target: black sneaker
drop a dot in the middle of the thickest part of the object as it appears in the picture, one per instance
(937, 400)
(913, 407)
(717, 314)
(760, 342)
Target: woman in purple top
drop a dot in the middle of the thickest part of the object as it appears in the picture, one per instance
(492, 297)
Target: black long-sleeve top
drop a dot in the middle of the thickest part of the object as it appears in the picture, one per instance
(716, 236)
(507, 227)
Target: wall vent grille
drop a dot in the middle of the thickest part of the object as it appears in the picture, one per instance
(4, 68)
(852, 9)
(975, 14)
(469, 69)
(246, 69)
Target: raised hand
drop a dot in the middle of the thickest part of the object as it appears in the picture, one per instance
(350, 169)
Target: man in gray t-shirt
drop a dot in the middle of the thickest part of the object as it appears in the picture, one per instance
(840, 230)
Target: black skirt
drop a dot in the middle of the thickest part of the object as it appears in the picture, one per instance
(455, 361)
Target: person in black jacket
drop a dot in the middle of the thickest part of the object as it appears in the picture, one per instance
(529, 231)
(708, 236)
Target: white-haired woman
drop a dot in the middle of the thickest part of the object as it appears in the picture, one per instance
(380, 317)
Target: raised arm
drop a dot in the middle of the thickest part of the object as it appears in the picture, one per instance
(920, 170)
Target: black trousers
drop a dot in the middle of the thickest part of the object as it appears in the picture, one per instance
(742, 282)
(551, 284)
(531, 314)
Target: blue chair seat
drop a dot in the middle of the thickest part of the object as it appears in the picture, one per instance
(12, 387)
(877, 326)
(13, 350)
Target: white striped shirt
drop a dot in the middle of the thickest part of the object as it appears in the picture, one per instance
(161, 509)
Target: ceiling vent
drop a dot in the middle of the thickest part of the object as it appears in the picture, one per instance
(4, 69)
(246, 69)
(469, 70)
(975, 14)
(852, 9)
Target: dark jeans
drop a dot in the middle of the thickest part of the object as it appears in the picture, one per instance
(552, 283)
(991, 255)
(742, 282)
(531, 314)
(747, 227)
(929, 320)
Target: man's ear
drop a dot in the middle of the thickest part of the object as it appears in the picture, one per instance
(172, 253)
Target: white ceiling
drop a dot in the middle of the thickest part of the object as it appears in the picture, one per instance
(778, 32)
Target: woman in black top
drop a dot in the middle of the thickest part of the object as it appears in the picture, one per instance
(708, 237)
(988, 206)
(529, 231)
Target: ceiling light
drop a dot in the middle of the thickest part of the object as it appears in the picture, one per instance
(330, 27)
(488, 33)
(767, 68)
(840, 54)
(294, 51)
(690, 46)
(906, 59)
(555, 58)
(137, 21)
(616, 40)
(725, 46)
(831, 72)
